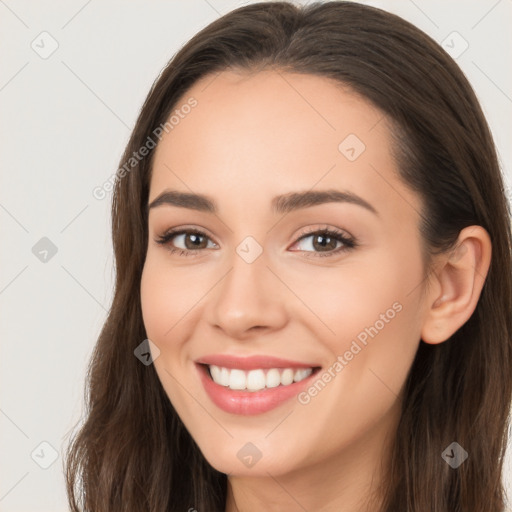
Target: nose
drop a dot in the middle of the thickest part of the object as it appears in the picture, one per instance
(248, 300)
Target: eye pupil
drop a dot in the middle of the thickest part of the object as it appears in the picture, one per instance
(196, 242)
(324, 245)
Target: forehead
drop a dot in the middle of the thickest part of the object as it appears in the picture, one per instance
(282, 109)
(263, 134)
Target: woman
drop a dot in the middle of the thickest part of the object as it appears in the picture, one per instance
(313, 274)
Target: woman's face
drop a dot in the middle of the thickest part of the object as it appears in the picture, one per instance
(267, 297)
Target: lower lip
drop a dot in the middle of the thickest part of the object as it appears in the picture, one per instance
(247, 403)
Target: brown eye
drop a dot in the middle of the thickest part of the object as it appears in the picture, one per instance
(321, 242)
(185, 240)
(195, 241)
(325, 242)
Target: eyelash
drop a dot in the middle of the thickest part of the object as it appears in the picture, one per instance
(348, 243)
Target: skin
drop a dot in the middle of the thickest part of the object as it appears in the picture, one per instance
(252, 137)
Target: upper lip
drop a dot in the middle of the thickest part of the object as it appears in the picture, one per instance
(251, 362)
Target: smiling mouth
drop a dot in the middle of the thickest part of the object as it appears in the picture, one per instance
(257, 379)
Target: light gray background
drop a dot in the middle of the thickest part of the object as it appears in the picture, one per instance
(65, 121)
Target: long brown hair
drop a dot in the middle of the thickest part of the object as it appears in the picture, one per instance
(132, 452)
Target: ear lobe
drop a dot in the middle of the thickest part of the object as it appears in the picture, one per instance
(459, 281)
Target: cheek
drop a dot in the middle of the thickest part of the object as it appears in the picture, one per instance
(377, 318)
(157, 300)
(341, 303)
(376, 324)
(167, 294)
(366, 315)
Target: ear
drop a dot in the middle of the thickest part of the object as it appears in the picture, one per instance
(456, 285)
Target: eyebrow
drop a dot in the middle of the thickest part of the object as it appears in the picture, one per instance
(280, 204)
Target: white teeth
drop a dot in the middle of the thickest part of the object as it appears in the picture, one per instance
(302, 374)
(215, 371)
(287, 377)
(255, 380)
(237, 379)
(224, 377)
(273, 378)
